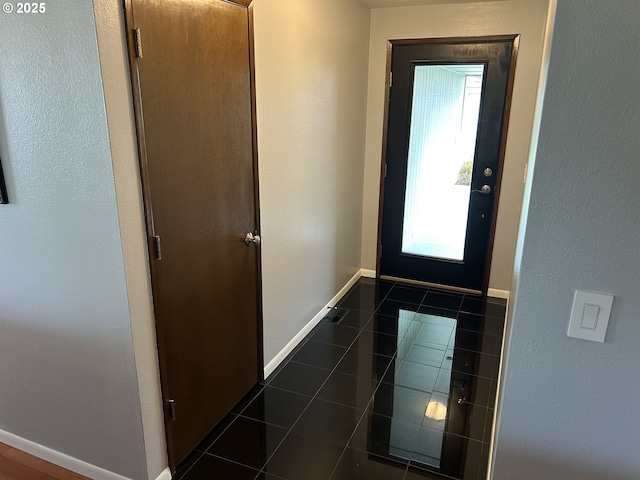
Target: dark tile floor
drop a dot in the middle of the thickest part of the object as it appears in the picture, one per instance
(397, 382)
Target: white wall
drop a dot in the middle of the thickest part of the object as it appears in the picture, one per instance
(311, 78)
(68, 377)
(569, 407)
(524, 17)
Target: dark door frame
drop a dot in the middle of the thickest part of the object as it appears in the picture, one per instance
(145, 182)
(515, 38)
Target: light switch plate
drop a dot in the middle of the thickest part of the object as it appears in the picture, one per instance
(590, 316)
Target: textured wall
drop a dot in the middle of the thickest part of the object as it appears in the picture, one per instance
(524, 17)
(68, 379)
(311, 69)
(569, 406)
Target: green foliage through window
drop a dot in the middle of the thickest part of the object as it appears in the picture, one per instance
(464, 174)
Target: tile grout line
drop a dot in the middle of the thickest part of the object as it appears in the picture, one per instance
(380, 381)
(315, 396)
(192, 465)
(366, 409)
(365, 412)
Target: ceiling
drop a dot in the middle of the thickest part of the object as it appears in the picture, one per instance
(409, 3)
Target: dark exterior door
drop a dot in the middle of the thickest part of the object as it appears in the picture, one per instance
(192, 82)
(446, 132)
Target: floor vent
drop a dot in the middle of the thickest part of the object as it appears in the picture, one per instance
(336, 314)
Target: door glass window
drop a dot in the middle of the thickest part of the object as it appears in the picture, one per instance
(442, 139)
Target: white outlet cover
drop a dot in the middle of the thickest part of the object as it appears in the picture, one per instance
(590, 316)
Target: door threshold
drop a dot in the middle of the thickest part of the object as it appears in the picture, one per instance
(429, 284)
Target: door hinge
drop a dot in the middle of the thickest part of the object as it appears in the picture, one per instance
(171, 403)
(390, 79)
(157, 248)
(385, 170)
(136, 33)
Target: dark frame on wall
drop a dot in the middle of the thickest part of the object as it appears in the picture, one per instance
(4, 199)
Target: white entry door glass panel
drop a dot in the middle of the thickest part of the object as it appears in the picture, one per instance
(442, 143)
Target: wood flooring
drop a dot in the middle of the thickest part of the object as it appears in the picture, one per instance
(18, 465)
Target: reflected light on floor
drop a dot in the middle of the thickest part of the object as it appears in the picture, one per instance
(436, 411)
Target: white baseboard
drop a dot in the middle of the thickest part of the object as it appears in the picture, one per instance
(277, 360)
(368, 273)
(63, 460)
(165, 475)
(495, 293)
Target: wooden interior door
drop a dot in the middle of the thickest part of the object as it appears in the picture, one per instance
(192, 82)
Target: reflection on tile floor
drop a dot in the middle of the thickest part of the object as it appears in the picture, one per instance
(398, 382)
